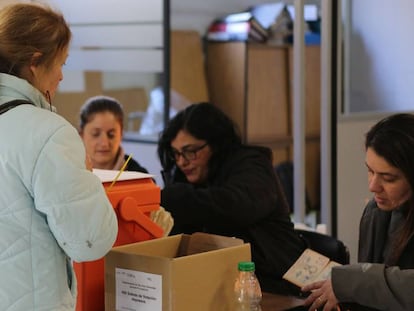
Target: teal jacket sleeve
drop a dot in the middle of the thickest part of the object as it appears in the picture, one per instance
(72, 198)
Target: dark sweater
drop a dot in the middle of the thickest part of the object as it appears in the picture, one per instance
(134, 166)
(241, 199)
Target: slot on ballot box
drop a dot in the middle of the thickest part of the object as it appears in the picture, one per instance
(133, 196)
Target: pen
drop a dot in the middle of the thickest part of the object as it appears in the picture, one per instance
(120, 172)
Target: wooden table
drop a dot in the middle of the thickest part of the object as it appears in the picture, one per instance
(275, 302)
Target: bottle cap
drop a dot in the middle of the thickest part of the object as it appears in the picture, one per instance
(246, 266)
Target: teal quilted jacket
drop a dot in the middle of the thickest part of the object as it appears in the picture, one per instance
(52, 210)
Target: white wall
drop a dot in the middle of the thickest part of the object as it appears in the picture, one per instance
(146, 155)
(382, 67)
(352, 178)
(381, 82)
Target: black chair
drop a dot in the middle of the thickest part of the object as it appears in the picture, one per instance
(326, 245)
(284, 171)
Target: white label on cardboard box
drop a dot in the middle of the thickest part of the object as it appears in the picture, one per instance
(137, 290)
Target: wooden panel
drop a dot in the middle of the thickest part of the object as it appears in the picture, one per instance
(265, 89)
(68, 103)
(312, 90)
(267, 93)
(226, 78)
(312, 87)
(280, 155)
(277, 302)
(187, 73)
(132, 100)
(312, 119)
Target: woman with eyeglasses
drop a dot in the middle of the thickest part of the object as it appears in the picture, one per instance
(53, 209)
(216, 184)
(101, 126)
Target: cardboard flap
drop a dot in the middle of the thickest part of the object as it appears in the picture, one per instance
(203, 242)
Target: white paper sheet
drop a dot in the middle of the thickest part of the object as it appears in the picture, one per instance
(137, 291)
(109, 175)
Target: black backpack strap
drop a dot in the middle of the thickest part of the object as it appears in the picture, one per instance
(11, 104)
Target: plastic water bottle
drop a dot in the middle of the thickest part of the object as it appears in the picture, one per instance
(247, 291)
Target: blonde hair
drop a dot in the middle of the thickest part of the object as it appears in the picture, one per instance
(26, 29)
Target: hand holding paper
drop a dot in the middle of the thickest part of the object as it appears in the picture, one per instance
(310, 267)
(163, 219)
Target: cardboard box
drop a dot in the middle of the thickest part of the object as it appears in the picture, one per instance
(176, 273)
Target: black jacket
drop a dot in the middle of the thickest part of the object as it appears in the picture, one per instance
(242, 199)
(134, 166)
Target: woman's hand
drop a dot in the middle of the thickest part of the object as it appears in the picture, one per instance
(322, 295)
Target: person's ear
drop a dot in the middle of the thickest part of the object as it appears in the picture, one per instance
(34, 62)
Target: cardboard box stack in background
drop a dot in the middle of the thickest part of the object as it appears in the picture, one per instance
(176, 273)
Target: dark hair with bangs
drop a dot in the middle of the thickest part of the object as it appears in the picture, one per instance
(99, 104)
(204, 121)
(392, 138)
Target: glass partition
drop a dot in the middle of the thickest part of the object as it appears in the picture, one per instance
(378, 66)
(122, 55)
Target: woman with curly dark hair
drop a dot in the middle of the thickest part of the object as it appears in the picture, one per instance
(216, 184)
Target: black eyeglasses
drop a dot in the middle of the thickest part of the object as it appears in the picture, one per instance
(188, 154)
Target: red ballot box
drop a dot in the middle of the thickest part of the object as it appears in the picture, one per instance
(133, 201)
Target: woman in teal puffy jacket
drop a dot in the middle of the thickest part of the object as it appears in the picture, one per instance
(53, 210)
